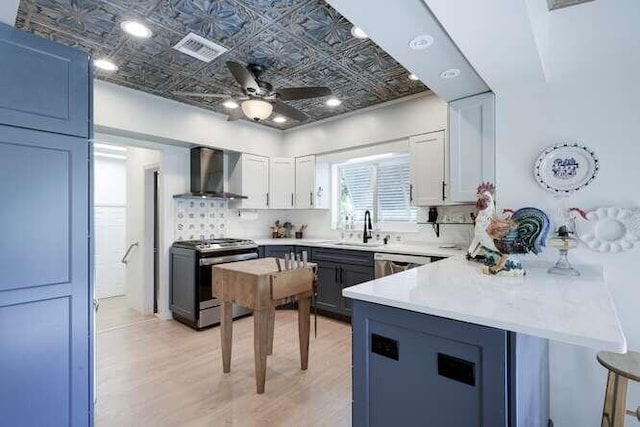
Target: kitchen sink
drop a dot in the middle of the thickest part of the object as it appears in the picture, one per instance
(364, 245)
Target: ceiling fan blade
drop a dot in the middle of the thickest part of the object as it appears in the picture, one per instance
(289, 111)
(202, 94)
(235, 114)
(293, 93)
(243, 76)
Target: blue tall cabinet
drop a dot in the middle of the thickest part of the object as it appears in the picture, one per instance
(45, 275)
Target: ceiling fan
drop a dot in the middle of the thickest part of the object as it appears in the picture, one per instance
(259, 98)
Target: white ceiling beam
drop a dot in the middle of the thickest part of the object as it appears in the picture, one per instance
(392, 25)
(497, 38)
(9, 11)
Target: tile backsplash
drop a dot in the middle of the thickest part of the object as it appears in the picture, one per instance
(197, 219)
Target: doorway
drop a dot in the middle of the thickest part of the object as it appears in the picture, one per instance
(127, 233)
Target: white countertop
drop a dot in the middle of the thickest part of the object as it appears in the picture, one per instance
(410, 249)
(572, 310)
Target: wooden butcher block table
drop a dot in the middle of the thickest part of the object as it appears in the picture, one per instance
(257, 285)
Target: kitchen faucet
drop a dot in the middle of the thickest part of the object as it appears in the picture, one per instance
(367, 227)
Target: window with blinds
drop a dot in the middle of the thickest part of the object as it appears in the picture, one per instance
(381, 187)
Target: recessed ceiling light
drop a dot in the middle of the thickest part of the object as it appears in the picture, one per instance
(420, 42)
(333, 102)
(357, 32)
(279, 119)
(450, 73)
(136, 29)
(413, 77)
(230, 104)
(105, 64)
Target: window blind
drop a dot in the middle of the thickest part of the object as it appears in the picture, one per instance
(381, 187)
(393, 182)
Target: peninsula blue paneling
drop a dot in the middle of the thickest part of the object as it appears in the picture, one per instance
(415, 387)
(416, 369)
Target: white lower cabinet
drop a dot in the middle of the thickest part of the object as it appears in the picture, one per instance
(282, 183)
(471, 146)
(427, 169)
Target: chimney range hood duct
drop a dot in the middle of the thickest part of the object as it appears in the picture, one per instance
(208, 176)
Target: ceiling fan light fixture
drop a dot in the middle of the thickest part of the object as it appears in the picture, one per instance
(280, 119)
(230, 104)
(333, 102)
(256, 109)
(136, 29)
(105, 64)
(358, 33)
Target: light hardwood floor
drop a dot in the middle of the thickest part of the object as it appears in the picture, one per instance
(153, 372)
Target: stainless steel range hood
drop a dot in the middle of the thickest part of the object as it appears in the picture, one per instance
(208, 176)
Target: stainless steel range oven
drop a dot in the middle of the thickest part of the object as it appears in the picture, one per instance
(192, 277)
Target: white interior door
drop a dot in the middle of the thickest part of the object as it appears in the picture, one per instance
(139, 264)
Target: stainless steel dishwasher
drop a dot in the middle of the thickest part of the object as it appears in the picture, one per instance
(386, 264)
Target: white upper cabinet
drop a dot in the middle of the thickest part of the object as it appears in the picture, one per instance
(427, 169)
(251, 178)
(312, 183)
(282, 183)
(305, 182)
(471, 146)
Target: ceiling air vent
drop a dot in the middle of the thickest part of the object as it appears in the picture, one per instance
(559, 4)
(199, 47)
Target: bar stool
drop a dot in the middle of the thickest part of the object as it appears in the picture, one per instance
(622, 368)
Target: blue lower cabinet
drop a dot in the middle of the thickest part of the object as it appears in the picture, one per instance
(277, 251)
(418, 370)
(329, 289)
(339, 269)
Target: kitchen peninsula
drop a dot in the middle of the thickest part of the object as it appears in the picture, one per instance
(463, 348)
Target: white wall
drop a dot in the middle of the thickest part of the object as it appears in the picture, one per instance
(583, 89)
(422, 114)
(110, 219)
(131, 113)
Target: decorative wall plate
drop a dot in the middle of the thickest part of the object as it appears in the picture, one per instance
(610, 229)
(565, 168)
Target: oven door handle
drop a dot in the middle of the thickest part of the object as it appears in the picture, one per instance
(228, 258)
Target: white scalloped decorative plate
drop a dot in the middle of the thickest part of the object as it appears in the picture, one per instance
(565, 168)
(610, 229)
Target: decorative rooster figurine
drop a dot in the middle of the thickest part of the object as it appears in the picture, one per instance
(497, 239)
